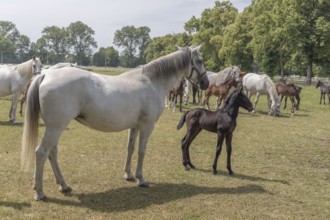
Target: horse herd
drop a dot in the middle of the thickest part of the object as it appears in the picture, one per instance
(65, 93)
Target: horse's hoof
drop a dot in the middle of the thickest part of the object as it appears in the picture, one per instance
(187, 167)
(215, 172)
(66, 189)
(40, 197)
(142, 184)
(231, 173)
(128, 177)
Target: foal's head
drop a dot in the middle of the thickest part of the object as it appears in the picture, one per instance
(318, 84)
(239, 99)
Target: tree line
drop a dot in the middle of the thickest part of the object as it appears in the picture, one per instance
(277, 37)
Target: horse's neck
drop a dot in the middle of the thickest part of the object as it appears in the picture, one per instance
(231, 109)
(25, 69)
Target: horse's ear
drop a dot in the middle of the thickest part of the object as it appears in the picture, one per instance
(178, 47)
(198, 47)
(40, 58)
(34, 57)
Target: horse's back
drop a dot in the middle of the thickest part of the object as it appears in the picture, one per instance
(106, 103)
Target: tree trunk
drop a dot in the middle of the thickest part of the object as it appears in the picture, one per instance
(309, 72)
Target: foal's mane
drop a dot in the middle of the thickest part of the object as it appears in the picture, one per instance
(164, 66)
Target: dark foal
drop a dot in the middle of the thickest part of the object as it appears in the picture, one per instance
(221, 121)
(323, 90)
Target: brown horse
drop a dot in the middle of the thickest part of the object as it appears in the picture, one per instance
(323, 90)
(291, 91)
(176, 91)
(221, 91)
(221, 121)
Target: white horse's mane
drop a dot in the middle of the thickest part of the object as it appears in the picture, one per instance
(271, 86)
(161, 67)
(25, 67)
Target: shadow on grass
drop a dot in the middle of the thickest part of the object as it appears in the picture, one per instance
(9, 123)
(133, 198)
(15, 205)
(244, 177)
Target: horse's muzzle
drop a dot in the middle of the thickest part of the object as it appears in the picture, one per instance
(204, 82)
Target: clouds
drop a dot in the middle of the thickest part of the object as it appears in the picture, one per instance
(105, 16)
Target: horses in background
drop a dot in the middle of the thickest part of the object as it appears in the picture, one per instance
(287, 90)
(175, 92)
(323, 91)
(232, 72)
(262, 85)
(221, 121)
(220, 91)
(14, 80)
(103, 103)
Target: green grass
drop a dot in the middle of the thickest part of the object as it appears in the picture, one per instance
(281, 170)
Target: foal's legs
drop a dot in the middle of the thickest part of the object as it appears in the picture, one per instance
(218, 151)
(132, 134)
(185, 144)
(229, 148)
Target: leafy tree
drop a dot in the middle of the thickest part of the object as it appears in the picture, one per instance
(106, 57)
(134, 42)
(23, 48)
(209, 30)
(80, 38)
(56, 40)
(9, 37)
(161, 46)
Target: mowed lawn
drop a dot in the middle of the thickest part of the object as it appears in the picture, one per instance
(281, 168)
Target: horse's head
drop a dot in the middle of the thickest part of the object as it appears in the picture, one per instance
(236, 73)
(198, 71)
(36, 65)
(318, 84)
(243, 100)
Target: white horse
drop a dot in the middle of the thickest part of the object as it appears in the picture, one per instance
(14, 79)
(262, 85)
(103, 103)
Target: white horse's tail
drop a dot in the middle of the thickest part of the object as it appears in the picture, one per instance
(31, 124)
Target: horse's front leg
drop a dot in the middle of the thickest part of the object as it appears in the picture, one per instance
(218, 151)
(256, 102)
(12, 113)
(229, 149)
(145, 133)
(132, 134)
(293, 105)
(64, 187)
(180, 96)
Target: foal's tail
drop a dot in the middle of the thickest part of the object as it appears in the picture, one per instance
(182, 120)
(31, 124)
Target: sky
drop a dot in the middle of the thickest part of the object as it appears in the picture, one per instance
(105, 17)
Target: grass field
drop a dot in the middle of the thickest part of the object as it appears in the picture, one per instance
(281, 168)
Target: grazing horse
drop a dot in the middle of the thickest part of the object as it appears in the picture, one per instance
(221, 121)
(103, 103)
(221, 91)
(176, 91)
(323, 90)
(14, 80)
(288, 90)
(297, 96)
(262, 85)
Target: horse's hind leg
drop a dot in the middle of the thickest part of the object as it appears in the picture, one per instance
(57, 172)
(132, 134)
(190, 136)
(48, 142)
(256, 102)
